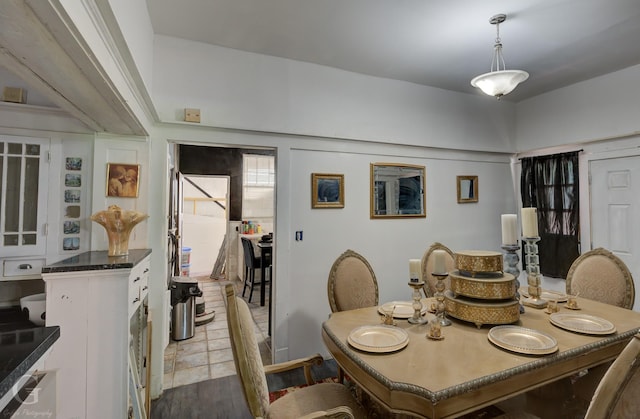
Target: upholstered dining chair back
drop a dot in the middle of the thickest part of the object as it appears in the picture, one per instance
(320, 400)
(429, 286)
(602, 276)
(352, 283)
(618, 394)
(246, 354)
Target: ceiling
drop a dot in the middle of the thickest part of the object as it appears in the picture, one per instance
(439, 43)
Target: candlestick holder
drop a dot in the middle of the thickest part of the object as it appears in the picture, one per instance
(511, 257)
(417, 304)
(439, 294)
(533, 274)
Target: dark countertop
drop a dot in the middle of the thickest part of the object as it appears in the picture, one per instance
(20, 349)
(97, 260)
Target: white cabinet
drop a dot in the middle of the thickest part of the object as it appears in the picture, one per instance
(92, 297)
(24, 171)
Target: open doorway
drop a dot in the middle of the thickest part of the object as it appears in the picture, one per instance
(248, 198)
(204, 225)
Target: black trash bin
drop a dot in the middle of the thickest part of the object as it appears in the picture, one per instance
(183, 292)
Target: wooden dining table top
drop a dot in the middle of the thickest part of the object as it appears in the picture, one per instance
(465, 371)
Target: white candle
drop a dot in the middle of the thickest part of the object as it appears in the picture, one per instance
(439, 264)
(414, 270)
(509, 229)
(529, 222)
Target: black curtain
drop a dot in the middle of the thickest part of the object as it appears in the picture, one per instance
(550, 183)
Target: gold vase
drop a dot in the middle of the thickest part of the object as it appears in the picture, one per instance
(118, 223)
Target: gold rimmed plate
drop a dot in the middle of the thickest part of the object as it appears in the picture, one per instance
(548, 295)
(403, 309)
(378, 338)
(522, 340)
(582, 323)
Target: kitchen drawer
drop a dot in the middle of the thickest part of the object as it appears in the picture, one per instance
(16, 268)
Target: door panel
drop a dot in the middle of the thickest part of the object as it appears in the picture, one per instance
(615, 199)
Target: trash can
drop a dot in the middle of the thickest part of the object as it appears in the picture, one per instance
(183, 292)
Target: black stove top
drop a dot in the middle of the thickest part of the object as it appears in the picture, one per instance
(13, 318)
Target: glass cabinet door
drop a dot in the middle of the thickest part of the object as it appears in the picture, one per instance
(23, 195)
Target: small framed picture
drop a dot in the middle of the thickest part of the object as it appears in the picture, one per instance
(73, 163)
(73, 180)
(122, 180)
(467, 188)
(72, 196)
(71, 243)
(71, 227)
(327, 190)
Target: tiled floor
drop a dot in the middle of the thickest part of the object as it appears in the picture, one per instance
(208, 353)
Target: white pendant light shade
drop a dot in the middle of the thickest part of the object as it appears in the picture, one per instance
(499, 83)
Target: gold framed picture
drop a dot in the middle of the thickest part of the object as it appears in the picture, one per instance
(467, 187)
(327, 190)
(123, 180)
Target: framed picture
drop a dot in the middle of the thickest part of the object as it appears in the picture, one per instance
(467, 187)
(122, 180)
(327, 190)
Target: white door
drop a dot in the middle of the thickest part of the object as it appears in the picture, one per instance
(615, 206)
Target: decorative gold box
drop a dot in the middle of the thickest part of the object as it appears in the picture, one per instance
(482, 312)
(495, 286)
(475, 261)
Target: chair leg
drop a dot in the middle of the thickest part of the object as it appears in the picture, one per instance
(246, 274)
(252, 279)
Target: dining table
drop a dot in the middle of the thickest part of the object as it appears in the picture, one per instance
(465, 370)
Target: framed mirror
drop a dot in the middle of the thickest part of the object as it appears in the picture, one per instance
(467, 187)
(397, 190)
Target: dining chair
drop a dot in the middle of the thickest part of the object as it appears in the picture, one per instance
(317, 400)
(618, 394)
(427, 262)
(251, 265)
(352, 283)
(602, 276)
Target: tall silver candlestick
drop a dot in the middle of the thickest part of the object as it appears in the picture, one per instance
(511, 258)
(417, 304)
(440, 310)
(533, 274)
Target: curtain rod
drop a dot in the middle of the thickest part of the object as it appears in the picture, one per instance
(557, 154)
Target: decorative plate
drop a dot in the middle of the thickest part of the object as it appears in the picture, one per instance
(378, 338)
(548, 295)
(582, 323)
(522, 340)
(403, 310)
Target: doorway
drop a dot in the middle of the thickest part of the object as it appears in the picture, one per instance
(615, 199)
(205, 221)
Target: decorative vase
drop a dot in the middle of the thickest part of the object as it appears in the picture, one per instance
(118, 223)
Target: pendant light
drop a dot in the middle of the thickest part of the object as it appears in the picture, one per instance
(499, 81)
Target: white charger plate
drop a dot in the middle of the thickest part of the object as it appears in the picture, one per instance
(403, 310)
(522, 340)
(582, 323)
(378, 338)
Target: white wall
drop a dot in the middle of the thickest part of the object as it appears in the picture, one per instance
(235, 89)
(592, 110)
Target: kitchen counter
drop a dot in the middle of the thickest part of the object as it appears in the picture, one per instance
(20, 349)
(97, 260)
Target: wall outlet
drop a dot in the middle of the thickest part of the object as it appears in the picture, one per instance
(192, 115)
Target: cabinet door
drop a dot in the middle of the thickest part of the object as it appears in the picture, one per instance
(23, 195)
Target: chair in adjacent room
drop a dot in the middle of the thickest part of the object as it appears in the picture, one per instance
(429, 287)
(602, 276)
(319, 400)
(618, 394)
(251, 265)
(352, 283)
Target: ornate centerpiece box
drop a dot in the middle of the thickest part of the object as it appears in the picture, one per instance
(481, 293)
